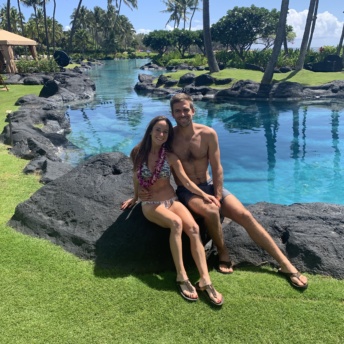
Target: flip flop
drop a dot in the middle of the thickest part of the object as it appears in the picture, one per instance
(209, 289)
(227, 265)
(190, 288)
(289, 275)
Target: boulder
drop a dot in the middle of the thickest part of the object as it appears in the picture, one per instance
(204, 80)
(145, 78)
(80, 211)
(331, 63)
(39, 127)
(187, 79)
(49, 89)
(162, 80)
(311, 235)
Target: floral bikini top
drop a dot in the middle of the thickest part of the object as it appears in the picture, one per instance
(162, 170)
(165, 171)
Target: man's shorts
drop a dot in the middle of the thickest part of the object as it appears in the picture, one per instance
(184, 195)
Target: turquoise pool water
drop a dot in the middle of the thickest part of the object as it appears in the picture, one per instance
(280, 153)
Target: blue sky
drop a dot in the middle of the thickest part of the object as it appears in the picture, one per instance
(149, 15)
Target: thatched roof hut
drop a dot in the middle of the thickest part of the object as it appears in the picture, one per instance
(9, 39)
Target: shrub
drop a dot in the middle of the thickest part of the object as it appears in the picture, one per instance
(37, 66)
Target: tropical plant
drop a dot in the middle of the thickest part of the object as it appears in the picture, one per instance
(244, 26)
(35, 66)
(179, 11)
(158, 40)
(173, 7)
(37, 14)
(14, 18)
(130, 3)
(182, 40)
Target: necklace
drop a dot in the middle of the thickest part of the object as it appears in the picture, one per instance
(148, 182)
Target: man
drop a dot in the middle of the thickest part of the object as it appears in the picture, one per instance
(197, 146)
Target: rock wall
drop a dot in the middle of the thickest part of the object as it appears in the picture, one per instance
(80, 211)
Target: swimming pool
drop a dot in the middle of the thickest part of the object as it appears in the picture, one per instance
(275, 152)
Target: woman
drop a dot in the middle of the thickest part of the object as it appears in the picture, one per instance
(153, 160)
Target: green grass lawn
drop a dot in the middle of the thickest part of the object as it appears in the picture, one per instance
(304, 77)
(50, 296)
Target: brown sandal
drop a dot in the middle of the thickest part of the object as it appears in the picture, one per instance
(189, 287)
(209, 290)
(228, 265)
(290, 275)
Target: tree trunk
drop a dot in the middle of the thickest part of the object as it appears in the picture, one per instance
(313, 24)
(21, 18)
(208, 47)
(285, 43)
(46, 28)
(72, 31)
(8, 15)
(54, 43)
(269, 71)
(340, 45)
(303, 50)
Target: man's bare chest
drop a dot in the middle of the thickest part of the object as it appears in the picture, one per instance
(189, 151)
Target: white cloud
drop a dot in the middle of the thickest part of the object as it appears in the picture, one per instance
(144, 31)
(327, 29)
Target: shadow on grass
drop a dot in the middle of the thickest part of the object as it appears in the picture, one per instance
(134, 246)
(289, 76)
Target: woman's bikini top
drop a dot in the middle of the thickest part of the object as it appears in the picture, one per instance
(164, 173)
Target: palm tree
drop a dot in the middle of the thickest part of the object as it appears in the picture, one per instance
(173, 7)
(72, 31)
(54, 43)
(194, 7)
(33, 4)
(313, 24)
(46, 26)
(340, 45)
(184, 5)
(125, 31)
(14, 19)
(21, 18)
(304, 44)
(8, 15)
(208, 47)
(130, 3)
(96, 20)
(269, 71)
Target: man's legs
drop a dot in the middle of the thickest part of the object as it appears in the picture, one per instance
(210, 214)
(234, 209)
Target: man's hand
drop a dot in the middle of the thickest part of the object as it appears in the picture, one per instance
(211, 199)
(144, 194)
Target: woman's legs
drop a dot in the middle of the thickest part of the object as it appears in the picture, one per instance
(168, 219)
(191, 228)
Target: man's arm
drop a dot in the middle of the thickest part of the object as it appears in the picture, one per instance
(215, 164)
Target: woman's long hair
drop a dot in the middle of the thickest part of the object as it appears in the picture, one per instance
(139, 153)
